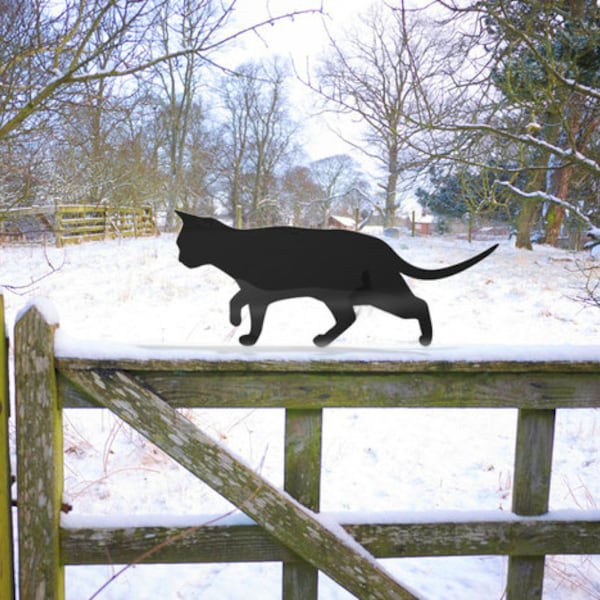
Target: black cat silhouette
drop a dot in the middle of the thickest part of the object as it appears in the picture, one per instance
(341, 268)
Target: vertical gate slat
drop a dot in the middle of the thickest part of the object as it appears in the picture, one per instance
(533, 468)
(40, 456)
(302, 480)
(6, 553)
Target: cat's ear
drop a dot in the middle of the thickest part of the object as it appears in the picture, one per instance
(204, 223)
(191, 220)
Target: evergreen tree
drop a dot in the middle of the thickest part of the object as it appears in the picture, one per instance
(547, 67)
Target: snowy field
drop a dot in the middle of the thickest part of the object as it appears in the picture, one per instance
(135, 291)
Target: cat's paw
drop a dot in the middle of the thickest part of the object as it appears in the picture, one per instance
(425, 340)
(235, 319)
(248, 340)
(322, 340)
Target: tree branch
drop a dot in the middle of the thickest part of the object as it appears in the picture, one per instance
(544, 196)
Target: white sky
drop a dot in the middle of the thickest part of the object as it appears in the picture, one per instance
(305, 34)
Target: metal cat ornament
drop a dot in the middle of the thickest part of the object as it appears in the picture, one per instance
(343, 269)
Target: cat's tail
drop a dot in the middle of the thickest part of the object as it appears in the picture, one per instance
(418, 273)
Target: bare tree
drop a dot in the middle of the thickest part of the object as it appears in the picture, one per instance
(298, 192)
(235, 144)
(184, 25)
(68, 130)
(104, 148)
(341, 185)
(49, 48)
(500, 84)
(376, 73)
(23, 172)
(257, 136)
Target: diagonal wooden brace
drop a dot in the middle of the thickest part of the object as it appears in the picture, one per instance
(327, 547)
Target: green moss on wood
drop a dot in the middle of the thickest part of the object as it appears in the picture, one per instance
(250, 543)
(6, 554)
(40, 455)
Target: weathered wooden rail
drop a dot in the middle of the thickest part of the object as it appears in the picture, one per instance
(79, 222)
(75, 223)
(287, 528)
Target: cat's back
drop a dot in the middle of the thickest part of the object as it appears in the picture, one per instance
(323, 245)
(292, 236)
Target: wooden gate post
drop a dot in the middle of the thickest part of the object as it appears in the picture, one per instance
(6, 537)
(302, 480)
(39, 460)
(531, 490)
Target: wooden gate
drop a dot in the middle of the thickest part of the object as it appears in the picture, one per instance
(76, 223)
(146, 394)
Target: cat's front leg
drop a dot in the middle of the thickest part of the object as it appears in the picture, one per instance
(257, 318)
(344, 315)
(237, 302)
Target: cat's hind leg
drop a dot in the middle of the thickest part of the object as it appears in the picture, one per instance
(257, 318)
(344, 315)
(422, 314)
(407, 306)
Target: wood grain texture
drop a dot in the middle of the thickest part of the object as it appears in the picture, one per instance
(302, 480)
(377, 387)
(250, 543)
(531, 490)
(368, 364)
(40, 460)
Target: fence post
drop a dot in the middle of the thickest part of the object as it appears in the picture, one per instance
(533, 468)
(302, 480)
(106, 222)
(7, 589)
(58, 227)
(39, 459)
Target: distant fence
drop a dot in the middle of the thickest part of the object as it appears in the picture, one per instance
(75, 223)
(146, 394)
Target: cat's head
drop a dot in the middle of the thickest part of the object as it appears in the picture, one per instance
(196, 239)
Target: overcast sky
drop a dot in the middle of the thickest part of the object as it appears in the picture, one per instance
(305, 34)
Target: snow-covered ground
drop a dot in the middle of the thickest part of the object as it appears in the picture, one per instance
(135, 291)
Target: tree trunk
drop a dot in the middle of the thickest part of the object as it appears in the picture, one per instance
(390, 191)
(236, 204)
(554, 221)
(525, 220)
(529, 211)
(556, 214)
(96, 99)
